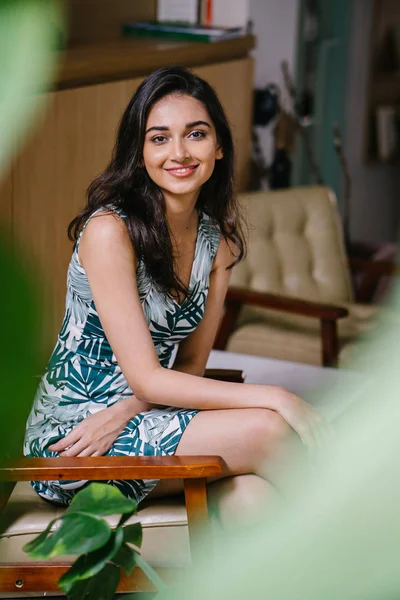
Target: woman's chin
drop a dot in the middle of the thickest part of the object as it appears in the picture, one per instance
(182, 188)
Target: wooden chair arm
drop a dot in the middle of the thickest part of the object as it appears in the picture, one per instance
(327, 313)
(233, 375)
(103, 468)
(297, 306)
(369, 274)
(374, 267)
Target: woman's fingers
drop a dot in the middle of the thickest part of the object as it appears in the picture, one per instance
(70, 439)
(75, 449)
(89, 451)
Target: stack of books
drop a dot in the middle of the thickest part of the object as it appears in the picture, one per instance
(183, 31)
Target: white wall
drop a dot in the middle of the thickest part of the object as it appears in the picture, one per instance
(275, 27)
(376, 188)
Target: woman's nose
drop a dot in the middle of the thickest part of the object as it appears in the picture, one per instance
(179, 150)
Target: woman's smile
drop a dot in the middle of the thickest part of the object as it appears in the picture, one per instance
(184, 171)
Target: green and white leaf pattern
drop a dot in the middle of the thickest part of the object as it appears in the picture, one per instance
(83, 375)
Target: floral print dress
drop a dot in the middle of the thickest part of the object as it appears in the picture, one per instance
(83, 375)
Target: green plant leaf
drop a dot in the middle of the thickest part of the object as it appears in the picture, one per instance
(35, 543)
(78, 534)
(133, 534)
(90, 564)
(99, 587)
(125, 558)
(101, 499)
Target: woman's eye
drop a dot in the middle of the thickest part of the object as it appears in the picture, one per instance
(159, 139)
(197, 135)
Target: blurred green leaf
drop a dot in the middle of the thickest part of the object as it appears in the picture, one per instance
(19, 325)
(125, 558)
(90, 564)
(102, 499)
(100, 587)
(78, 534)
(35, 543)
(133, 534)
(27, 60)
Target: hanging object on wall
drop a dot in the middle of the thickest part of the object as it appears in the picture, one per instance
(302, 129)
(265, 110)
(266, 104)
(337, 143)
(281, 168)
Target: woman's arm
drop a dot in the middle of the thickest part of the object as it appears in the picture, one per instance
(194, 351)
(107, 255)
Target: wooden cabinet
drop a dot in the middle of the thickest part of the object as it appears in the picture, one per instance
(73, 143)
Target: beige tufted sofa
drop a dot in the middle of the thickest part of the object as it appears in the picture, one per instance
(296, 251)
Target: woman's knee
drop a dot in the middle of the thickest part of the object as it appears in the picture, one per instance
(269, 431)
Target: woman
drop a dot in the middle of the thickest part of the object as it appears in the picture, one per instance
(146, 285)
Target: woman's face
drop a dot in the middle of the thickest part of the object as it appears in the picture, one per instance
(180, 147)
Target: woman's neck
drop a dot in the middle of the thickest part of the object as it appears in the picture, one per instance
(181, 216)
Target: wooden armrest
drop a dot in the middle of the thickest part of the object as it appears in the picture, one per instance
(286, 304)
(327, 313)
(103, 468)
(234, 375)
(374, 267)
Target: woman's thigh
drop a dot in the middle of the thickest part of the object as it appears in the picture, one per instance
(248, 440)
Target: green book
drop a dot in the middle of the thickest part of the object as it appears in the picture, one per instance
(181, 31)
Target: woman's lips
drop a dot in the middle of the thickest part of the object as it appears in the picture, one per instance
(182, 171)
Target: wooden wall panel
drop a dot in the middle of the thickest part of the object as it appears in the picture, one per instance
(233, 82)
(52, 174)
(100, 20)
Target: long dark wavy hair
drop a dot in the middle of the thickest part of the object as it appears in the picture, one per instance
(126, 184)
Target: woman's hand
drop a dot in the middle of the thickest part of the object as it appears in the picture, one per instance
(95, 435)
(303, 418)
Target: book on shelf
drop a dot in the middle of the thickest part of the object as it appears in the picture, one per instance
(224, 13)
(181, 31)
(183, 11)
(230, 13)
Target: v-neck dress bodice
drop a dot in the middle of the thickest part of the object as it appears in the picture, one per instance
(83, 375)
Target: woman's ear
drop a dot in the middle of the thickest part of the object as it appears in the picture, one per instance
(219, 153)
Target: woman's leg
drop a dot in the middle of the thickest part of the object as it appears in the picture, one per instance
(256, 443)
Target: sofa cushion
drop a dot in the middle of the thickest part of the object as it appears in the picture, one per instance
(164, 521)
(284, 336)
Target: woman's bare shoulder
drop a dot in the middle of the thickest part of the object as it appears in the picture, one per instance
(106, 233)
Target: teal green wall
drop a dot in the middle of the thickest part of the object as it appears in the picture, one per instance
(330, 90)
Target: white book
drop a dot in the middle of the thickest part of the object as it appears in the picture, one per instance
(230, 13)
(185, 11)
(386, 132)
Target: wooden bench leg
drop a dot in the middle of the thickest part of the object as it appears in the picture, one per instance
(330, 345)
(197, 512)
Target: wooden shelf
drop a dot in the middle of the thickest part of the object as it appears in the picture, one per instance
(129, 58)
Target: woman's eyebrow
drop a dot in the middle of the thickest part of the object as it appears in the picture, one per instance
(197, 123)
(188, 126)
(157, 128)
